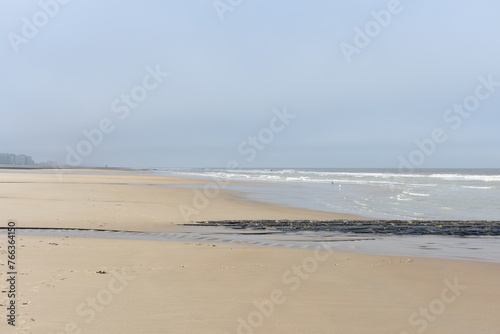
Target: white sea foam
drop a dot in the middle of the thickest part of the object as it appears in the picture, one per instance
(416, 194)
(469, 194)
(466, 177)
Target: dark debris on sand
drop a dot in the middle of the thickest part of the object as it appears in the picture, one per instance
(396, 227)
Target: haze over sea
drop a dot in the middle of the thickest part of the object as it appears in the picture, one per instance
(443, 194)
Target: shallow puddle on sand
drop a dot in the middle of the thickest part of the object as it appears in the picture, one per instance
(443, 247)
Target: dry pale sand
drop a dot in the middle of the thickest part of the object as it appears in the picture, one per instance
(71, 285)
(126, 201)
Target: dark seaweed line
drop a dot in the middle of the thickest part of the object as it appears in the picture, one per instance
(396, 227)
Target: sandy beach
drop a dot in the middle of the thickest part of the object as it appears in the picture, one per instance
(86, 285)
(127, 201)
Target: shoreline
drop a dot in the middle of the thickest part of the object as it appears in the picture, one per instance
(130, 200)
(197, 285)
(377, 193)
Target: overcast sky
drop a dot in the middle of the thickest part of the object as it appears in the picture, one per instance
(356, 83)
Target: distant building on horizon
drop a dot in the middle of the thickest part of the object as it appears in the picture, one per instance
(15, 159)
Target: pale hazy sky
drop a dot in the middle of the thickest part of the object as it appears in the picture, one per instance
(357, 100)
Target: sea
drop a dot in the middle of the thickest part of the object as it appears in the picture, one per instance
(423, 194)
